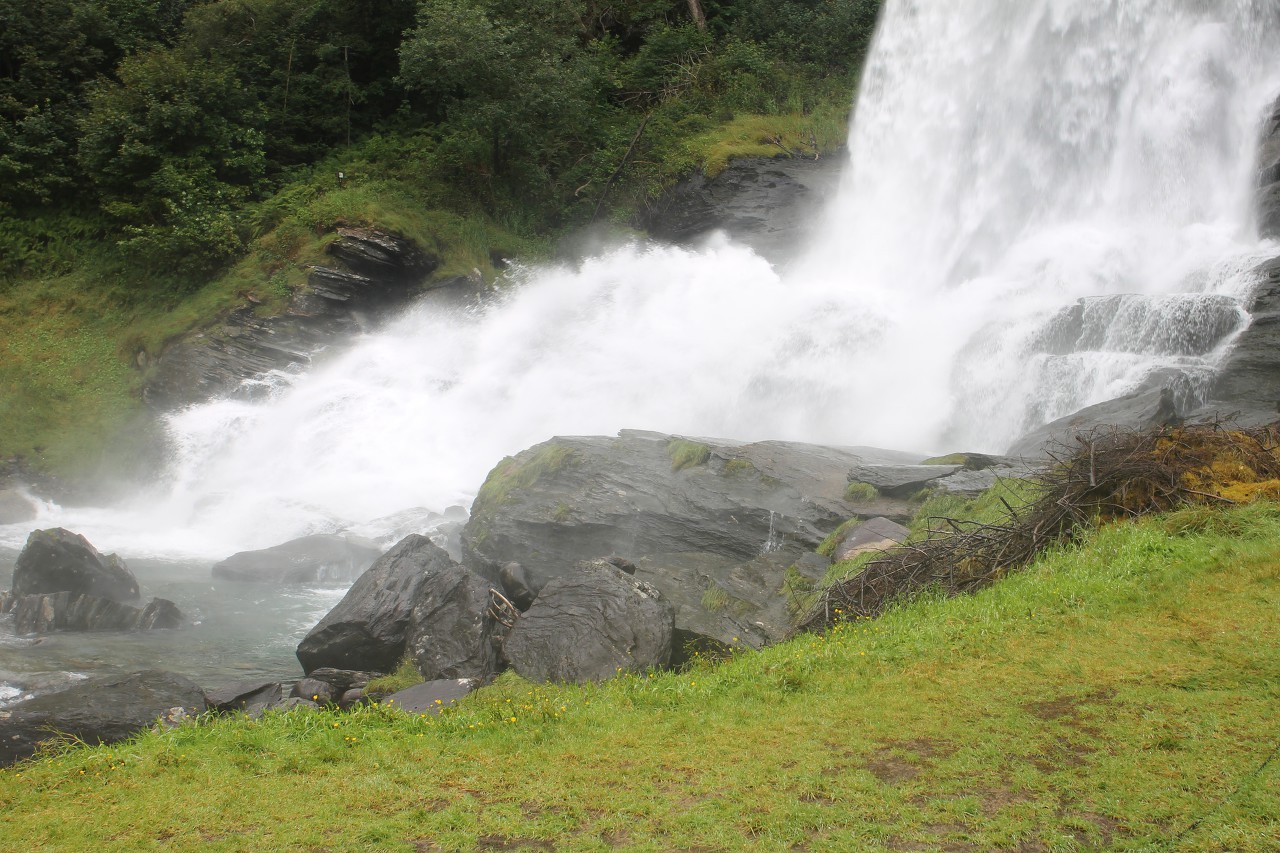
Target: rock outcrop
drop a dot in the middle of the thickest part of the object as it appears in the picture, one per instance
(589, 626)
(320, 558)
(1144, 409)
(1248, 385)
(715, 527)
(874, 534)
(247, 697)
(103, 710)
(368, 628)
(431, 697)
(58, 560)
(766, 203)
(373, 270)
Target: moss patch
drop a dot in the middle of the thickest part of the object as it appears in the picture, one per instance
(687, 454)
(857, 491)
(515, 472)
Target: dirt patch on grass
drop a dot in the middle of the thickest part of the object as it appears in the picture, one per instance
(502, 842)
(902, 761)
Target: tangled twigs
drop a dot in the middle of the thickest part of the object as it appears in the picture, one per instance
(1111, 474)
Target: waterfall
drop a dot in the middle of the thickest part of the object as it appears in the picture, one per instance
(1047, 202)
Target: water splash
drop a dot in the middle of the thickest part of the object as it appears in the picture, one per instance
(1047, 203)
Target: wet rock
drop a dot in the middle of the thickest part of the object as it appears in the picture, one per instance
(102, 710)
(451, 632)
(381, 254)
(15, 507)
(1248, 385)
(766, 203)
(67, 611)
(337, 303)
(591, 625)
(367, 629)
(899, 481)
(1152, 407)
(250, 697)
(313, 689)
(874, 534)
(58, 560)
(431, 697)
(518, 585)
(713, 525)
(321, 558)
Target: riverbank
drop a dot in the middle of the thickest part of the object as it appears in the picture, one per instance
(1117, 695)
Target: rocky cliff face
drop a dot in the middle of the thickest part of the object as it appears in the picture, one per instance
(372, 270)
(766, 203)
(1268, 200)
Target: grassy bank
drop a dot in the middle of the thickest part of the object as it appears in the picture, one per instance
(1118, 695)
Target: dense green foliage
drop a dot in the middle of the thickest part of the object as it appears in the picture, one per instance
(163, 122)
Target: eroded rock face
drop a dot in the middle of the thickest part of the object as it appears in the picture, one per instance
(766, 203)
(1249, 383)
(373, 270)
(589, 626)
(1152, 407)
(367, 629)
(103, 710)
(714, 526)
(58, 560)
(321, 558)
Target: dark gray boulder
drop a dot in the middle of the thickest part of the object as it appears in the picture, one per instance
(15, 507)
(713, 525)
(431, 697)
(367, 629)
(518, 585)
(68, 611)
(249, 697)
(1268, 199)
(58, 560)
(320, 558)
(103, 710)
(591, 625)
(451, 634)
(768, 203)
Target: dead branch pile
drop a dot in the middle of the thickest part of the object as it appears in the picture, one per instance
(1111, 474)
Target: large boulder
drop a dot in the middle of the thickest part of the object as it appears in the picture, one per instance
(431, 697)
(1268, 200)
(591, 625)
(103, 710)
(768, 203)
(320, 558)
(451, 634)
(367, 629)
(69, 611)
(58, 560)
(714, 526)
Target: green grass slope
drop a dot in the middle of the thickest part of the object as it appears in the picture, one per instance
(1119, 695)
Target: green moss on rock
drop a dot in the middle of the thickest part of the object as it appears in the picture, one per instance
(687, 454)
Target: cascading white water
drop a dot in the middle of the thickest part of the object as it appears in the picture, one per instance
(1009, 157)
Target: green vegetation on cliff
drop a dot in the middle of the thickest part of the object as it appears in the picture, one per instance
(164, 161)
(1119, 695)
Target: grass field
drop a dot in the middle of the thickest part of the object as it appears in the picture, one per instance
(1120, 695)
